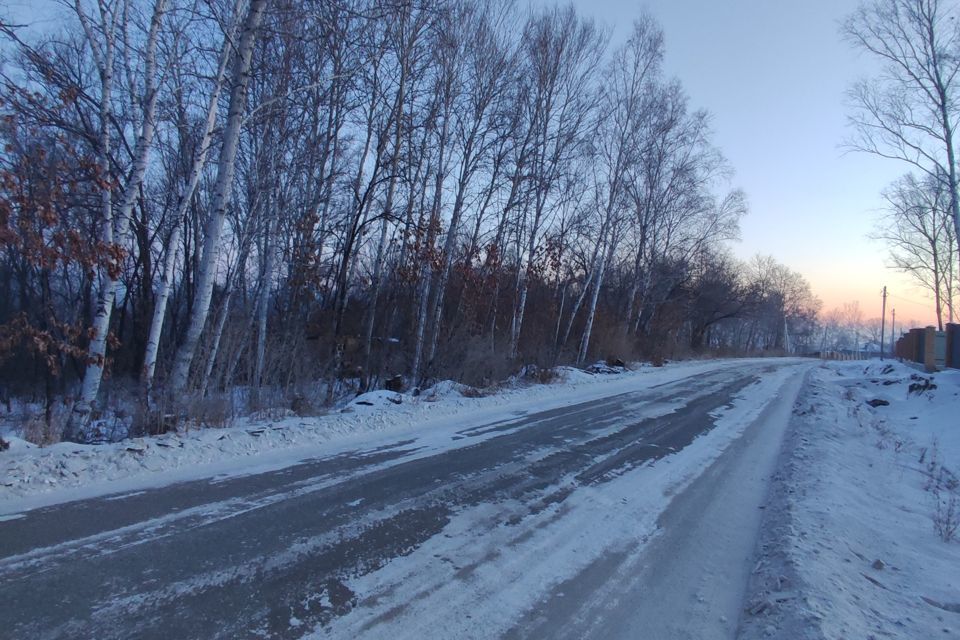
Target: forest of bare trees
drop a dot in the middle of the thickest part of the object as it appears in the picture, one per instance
(272, 203)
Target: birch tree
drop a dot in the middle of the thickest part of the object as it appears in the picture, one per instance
(223, 190)
(487, 61)
(187, 192)
(626, 96)
(102, 35)
(561, 52)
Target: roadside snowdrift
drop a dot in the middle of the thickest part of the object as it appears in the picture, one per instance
(850, 547)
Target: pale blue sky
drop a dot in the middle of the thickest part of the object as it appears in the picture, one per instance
(773, 74)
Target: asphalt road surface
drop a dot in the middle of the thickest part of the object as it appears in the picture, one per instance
(280, 554)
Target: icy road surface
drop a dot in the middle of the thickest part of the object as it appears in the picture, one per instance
(633, 515)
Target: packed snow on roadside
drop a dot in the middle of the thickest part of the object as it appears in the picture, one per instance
(853, 542)
(68, 471)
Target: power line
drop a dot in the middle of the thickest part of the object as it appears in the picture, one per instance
(908, 300)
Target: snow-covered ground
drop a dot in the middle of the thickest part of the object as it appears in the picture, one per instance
(463, 536)
(850, 547)
(33, 476)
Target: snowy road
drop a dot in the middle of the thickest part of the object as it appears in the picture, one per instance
(633, 515)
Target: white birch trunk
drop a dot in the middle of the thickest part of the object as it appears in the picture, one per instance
(221, 197)
(173, 242)
(384, 227)
(427, 285)
(114, 227)
(215, 342)
(263, 305)
(160, 309)
(375, 295)
(592, 309)
(523, 284)
(579, 303)
(448, 251)
(425, 288)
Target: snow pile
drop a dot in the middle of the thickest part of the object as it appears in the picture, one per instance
(447, 389)
(605, 368)
(853, 543)
(572, 374)
(88, 470)
(374, 400)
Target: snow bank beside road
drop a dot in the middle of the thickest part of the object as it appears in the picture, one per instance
(850, 548)
(31, 476)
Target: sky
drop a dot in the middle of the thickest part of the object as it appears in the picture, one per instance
(773, 75)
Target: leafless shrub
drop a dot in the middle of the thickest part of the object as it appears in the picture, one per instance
(932, 466)
(46, 429)
(210, 412)
(472, 392)
(539, 375)
(153, 421)
(269, 403)
(944, 488)
(190, 411)
(303, 406)
(946, 514)
(476, 364)
(160, 414)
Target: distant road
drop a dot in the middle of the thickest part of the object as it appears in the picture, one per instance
(531, 527)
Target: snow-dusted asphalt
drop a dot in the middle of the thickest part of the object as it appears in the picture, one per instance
(608, 518)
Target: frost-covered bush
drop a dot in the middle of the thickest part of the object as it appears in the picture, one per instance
(944, 488)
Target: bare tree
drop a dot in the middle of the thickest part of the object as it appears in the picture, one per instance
(488, 59)
(222, 194)
(184, 200)
(910, 112)
(561, 55)
(918, 229)
(626, 98)
(102, 37)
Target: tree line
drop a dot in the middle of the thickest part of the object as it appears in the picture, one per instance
(303, 199)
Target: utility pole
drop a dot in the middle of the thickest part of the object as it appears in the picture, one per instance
(883, 323)
(893, 335)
